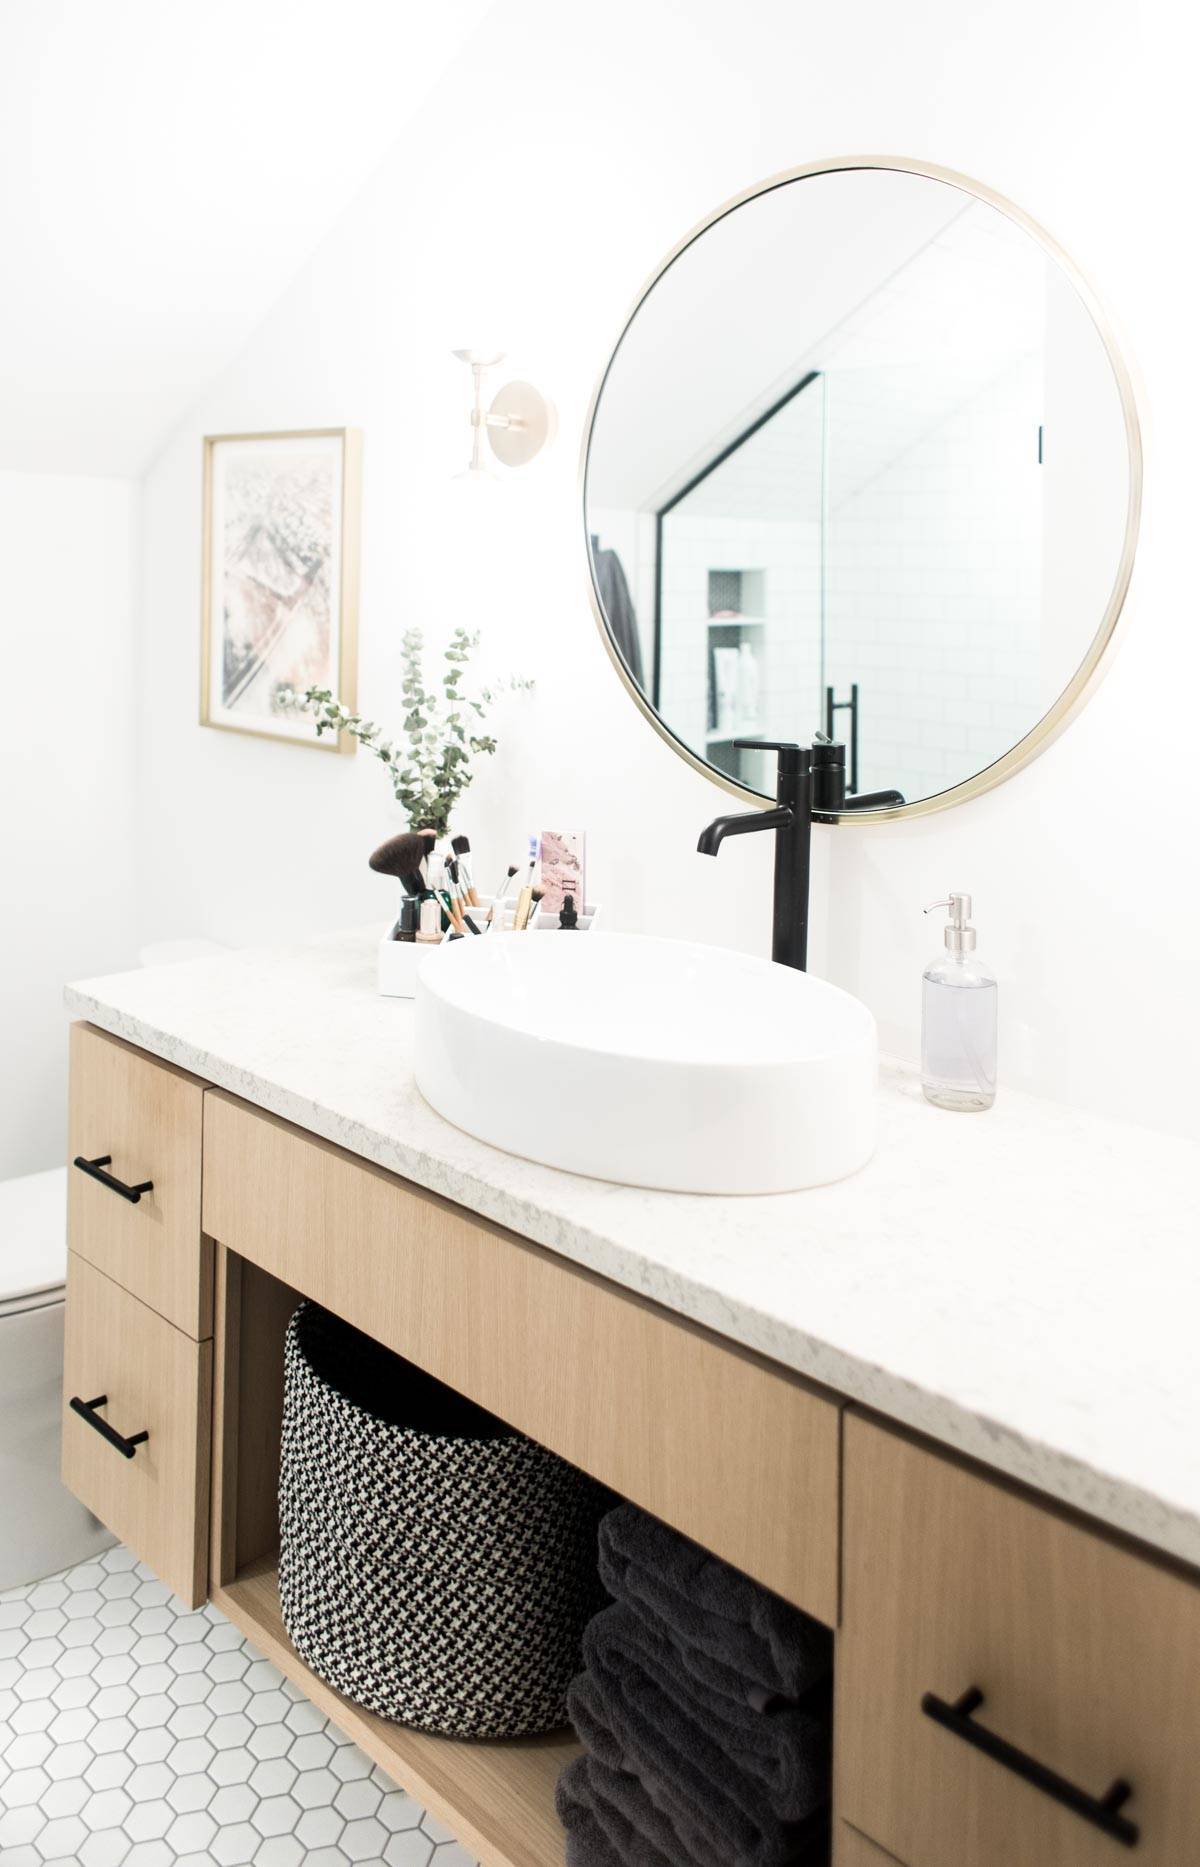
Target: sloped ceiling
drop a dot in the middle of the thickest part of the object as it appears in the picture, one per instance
(165, 169)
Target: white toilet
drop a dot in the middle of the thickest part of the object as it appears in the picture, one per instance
(42, 1527)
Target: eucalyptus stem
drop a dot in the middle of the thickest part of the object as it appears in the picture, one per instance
(441, 731)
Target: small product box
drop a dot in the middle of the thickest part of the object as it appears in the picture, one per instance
(561, 860)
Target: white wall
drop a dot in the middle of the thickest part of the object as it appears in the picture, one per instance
(163, 172)
(535, 221)
(66, 781)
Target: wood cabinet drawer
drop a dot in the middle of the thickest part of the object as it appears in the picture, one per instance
(154, 1380)
(850, 1849)
(147, 1117)
(1087, 1654)
(733, 1452)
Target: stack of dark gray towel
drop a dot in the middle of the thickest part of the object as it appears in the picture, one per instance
(704, 1713)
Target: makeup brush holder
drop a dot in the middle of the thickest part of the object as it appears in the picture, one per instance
(547, 922)
(399, 961)
(399, 964)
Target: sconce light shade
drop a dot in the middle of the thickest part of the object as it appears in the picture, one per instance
(519, 422)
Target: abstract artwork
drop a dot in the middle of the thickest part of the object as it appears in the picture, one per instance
(280, 578)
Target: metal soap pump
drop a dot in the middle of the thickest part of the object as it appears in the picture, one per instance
(958, 1018)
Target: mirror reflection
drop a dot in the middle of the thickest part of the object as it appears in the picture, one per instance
(859, 466)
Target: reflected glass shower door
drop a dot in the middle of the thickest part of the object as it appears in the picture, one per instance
(740, 639)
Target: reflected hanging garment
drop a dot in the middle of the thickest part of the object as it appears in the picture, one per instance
(613, 590)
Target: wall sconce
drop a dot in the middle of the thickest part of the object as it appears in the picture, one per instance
(518, 423)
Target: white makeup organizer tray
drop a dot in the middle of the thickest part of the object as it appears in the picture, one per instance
(400, 960)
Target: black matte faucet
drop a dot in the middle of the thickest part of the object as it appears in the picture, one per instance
(792, 821)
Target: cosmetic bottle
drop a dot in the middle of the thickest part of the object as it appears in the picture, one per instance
(958, 1019)
(429, 932)
(410, 918)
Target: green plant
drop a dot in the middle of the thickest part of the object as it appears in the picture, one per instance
(431, 769)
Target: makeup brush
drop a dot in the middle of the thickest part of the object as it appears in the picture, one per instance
(434, 870)
(527, 907)
(461, 845)
(440, 882)
(457, 895)
(525, 893)
(521, 911)
(402, 856)
(429, 836)
(466, 913)
(501, 892)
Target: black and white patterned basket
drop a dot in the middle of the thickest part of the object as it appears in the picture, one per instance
(434, 1566)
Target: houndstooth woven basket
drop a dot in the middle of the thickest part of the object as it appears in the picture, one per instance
(434, 1566)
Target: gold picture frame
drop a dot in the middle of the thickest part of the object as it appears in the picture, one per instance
(281, 607)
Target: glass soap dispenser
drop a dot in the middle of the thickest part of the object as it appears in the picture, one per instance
(958, 1019)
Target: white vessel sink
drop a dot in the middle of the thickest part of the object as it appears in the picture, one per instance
(651, 1062)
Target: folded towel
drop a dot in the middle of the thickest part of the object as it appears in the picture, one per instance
(718, 1813)
(610, 1810)
(588, 1845)
(782, 1754)
(609, 1817)
(731, 1633)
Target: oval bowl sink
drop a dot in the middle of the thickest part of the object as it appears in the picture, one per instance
(651, 1062)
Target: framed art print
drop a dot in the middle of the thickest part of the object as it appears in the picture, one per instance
(281, 543)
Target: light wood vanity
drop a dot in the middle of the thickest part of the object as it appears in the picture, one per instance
(937, 1574)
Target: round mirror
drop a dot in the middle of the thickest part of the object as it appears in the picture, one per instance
(865, 463)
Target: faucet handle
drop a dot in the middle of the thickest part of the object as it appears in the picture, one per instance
(801, 762)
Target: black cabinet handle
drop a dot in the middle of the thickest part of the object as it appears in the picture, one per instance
(95, 1171)
(1102, 1811)
(86, 1409)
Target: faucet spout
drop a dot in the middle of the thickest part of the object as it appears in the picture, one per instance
(741, 824)
(791, 820)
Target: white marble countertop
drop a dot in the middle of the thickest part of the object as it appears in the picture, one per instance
(1022, 1285)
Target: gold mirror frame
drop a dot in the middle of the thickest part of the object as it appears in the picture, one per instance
(1090, 670)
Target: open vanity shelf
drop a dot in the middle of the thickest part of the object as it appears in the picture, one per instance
(591, 1372)
(498, 1796)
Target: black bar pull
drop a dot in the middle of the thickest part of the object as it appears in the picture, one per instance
(86, 1409)
(1102, 1811)
(95, 1171)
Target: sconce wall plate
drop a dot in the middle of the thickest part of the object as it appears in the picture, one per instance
(519, 421)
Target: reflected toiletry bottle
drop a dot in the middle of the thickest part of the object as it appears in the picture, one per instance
(747, 701)
(726, 662)
(958, 1019)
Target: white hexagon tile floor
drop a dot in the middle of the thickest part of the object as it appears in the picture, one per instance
(134, 1733)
